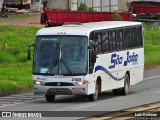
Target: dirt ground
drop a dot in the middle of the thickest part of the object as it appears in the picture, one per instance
(34, 20)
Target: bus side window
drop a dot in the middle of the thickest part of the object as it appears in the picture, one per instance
(140, 39)
(91, 36)
(141, 36)
(119, 37)
(91, 40)
(132, 37)
(98, 41)
(137, 34)
(105, 41)
(112, 39)
(127, 38)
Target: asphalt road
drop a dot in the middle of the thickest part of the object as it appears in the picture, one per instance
(145, 92)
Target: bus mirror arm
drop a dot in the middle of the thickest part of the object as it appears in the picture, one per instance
(94, 57)
(90, 48)
(29, 52)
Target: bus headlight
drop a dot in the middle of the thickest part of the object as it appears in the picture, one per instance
(81, 83)
(37, 82)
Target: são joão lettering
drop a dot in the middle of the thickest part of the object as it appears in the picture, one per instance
(131, 58)
(117, 59)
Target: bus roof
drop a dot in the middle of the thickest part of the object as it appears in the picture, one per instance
(85, 28)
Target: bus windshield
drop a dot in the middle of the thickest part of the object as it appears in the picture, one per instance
(60, 55)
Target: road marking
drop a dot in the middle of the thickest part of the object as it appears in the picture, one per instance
(151, 77)
(21, 102)
(85, 106)
(26, 102)
(157, 92)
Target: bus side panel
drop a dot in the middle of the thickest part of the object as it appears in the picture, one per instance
(112, 67)
(137, 72)
(118, 83)
(91, 85)
(136, 75)
(106, 82)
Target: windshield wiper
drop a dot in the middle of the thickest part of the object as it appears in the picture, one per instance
(62, 61)
(59, 61)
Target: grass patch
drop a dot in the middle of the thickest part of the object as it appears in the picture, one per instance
(15, 77)
(14, 42)
(15, 70)
(17, 16)
(152, 46)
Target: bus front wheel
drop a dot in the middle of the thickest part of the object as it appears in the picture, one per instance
(94, 97)
(50, 98)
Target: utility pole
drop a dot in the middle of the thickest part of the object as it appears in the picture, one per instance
(110, 5)
(101, 5)
(92, 5)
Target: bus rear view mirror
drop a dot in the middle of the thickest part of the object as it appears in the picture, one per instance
(29, 52)
(29, 55)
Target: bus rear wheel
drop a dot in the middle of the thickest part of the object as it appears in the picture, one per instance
(125, 89)
(50, 98)
(94, 97)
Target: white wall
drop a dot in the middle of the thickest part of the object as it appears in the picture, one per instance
(37, 5)
(74, 5)
(123, 5)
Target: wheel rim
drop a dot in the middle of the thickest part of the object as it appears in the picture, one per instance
(126, 86)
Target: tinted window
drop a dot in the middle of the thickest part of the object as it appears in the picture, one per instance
(119, 39)
(127, 37)
(140, 38)
(133, 38)
(105, 41)
(98, 41)
(112, 39)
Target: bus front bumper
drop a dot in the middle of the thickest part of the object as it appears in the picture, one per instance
(60, 90)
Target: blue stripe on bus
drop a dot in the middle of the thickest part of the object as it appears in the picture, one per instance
(106, 71)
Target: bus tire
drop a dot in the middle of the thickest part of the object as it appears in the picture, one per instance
(50, 98)
(125, 89)
(94, 97)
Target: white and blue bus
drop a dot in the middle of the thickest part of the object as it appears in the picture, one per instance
(89, 58)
